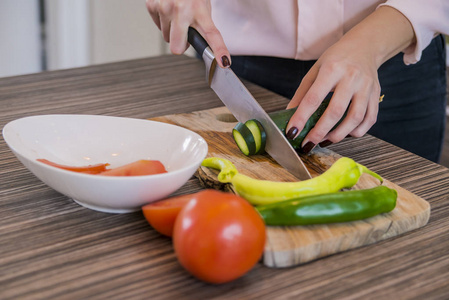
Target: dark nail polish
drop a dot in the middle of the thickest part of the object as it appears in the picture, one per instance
(325, 143)
(292, 133)
(308, 147)
(225, 61)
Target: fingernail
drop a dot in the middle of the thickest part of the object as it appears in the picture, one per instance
(225, 61)
(308, 147)
(325, 143)
(292, 133)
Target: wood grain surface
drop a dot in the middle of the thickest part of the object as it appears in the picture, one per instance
(52, 248)
(289, 246)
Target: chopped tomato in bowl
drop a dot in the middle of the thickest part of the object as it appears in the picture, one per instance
(141, 167)
(87, 143)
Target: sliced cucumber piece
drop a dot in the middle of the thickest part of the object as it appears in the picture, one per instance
(244, 139)
(260, 137)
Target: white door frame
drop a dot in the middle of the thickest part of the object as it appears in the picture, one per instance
(20, 36)
(67, 33)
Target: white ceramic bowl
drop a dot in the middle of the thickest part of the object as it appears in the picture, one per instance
(80, 140)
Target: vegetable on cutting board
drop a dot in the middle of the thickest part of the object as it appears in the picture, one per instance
(138, 168)
(245, 139)
(250, 137)
(330, 208)
(344, 173)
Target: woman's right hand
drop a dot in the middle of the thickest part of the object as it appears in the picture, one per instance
(174, 17)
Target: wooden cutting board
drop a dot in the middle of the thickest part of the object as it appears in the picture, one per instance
(292, 245)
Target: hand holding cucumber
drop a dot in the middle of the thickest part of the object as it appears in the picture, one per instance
(349, 70)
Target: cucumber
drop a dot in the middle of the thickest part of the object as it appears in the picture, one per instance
(259, 134)
(244, 139)
(281, 118)
(250, 137)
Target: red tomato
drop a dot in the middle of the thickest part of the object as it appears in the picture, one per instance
(91, 169)
(218, 236)
(162, 214)
(138, 168)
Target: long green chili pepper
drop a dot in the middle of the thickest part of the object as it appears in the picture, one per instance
(344, 173)
(330, 208)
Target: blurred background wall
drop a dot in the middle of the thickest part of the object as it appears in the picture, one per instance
(20, 37)
(37, 35)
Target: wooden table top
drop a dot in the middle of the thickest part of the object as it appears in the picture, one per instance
(50, 247)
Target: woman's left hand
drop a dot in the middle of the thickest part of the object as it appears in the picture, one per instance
(353, 79)
(349, 70)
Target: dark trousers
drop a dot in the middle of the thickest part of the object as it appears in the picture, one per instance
(412, 115)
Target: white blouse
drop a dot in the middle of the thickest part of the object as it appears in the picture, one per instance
(304, 29)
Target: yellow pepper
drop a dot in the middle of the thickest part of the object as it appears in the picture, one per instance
(344, 173)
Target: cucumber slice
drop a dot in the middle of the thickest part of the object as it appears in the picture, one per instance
(250, 137)
(260, 137)
(244, 139)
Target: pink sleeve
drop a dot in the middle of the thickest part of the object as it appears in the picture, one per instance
(428, 18)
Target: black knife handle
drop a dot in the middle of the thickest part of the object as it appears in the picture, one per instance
(197, 41)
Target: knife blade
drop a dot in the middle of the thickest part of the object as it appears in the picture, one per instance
(241, 103)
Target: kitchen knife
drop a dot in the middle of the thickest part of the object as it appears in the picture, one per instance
(244, 107)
